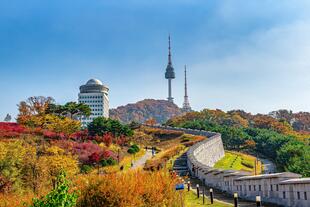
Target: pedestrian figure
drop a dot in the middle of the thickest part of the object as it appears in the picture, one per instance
(122, 168)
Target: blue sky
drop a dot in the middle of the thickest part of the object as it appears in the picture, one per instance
(241, 54)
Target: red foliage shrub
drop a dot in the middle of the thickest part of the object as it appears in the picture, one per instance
(9, 130)
(85, 150)
(109, 154)
(107, 139)
(80, 135)
(89, 152)
(121, 140)
(94, 158)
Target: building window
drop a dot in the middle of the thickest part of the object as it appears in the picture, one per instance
(249, 187)
(237, 187)
(298, 195)
(305, 195)
(284, 195)
(254, 187)
(277, 187)
(240, 187)
(271, 189)
(259, 187)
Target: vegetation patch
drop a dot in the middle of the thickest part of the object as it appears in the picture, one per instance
(191, 200)
(238, 161)
(162, 158)
(254, 134)
(133, 188)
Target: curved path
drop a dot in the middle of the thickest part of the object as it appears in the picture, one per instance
(142, 160)
(222, 197)
(269, 167)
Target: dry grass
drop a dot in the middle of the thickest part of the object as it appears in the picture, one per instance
(133, 188)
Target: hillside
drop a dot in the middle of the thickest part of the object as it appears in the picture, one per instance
(254, 134)
(300, 121)
(160, 110)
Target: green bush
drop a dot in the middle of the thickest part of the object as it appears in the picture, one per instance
(104, 163)
(59, 196)
(111, 161)
(86, 169)
(100, 126)
(135, 147)
(131, 151)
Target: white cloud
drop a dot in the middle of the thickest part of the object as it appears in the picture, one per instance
(269, 70)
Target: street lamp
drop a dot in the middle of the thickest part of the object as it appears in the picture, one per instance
(236, 199)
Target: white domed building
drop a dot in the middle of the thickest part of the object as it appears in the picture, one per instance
(95, 95)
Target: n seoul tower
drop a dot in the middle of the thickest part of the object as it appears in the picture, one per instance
(169, 73)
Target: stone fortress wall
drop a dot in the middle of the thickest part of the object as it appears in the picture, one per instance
(286, 188)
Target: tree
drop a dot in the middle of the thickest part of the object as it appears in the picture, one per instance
(8, 118)
(35, 105)
(100, 126)
(56, 160)
(107, 139)
(11, 162)
(60, 125)
(71, 109)
(250, 144)
(59, 196)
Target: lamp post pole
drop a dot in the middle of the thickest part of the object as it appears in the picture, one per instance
(258, 201)
(197, 186)
(235, 199)
(203, 195)
(211, 195)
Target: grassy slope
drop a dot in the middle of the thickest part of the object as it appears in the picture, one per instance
(191, 200)
(233, 160)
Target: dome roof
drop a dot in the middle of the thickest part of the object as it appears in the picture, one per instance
(94, 81)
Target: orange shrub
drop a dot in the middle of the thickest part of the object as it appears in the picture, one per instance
(14, 200)
(133, 188)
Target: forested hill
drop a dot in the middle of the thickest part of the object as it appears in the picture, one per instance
(255, 134)
(160, 110)
(300, 121)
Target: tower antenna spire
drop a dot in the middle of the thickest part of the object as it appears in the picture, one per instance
(186, 106)
(169, 51)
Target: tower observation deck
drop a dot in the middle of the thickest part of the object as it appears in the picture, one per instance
(169, 72)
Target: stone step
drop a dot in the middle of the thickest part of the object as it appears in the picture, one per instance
(180, 168)
(184, 163)
(185, 160)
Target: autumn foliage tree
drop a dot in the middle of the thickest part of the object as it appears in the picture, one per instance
(36, 112)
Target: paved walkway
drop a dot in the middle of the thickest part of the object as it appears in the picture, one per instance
(269, 167)
(220, 196)
(142, 160)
